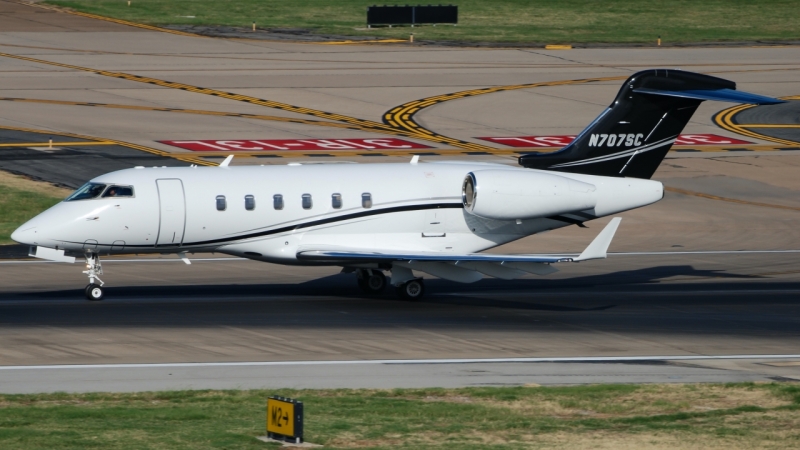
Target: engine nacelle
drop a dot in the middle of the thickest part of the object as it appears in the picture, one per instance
(522, 194)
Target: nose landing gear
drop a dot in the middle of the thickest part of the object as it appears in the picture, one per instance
(94, 291)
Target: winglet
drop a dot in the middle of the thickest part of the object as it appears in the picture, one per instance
(599, 246)
(227, 161)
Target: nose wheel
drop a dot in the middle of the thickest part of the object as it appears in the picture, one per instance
(94, 291)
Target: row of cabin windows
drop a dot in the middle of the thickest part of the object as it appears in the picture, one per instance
(277, 201)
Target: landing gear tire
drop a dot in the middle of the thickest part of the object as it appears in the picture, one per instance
(372, 281)
(94, 292)
(411, 290)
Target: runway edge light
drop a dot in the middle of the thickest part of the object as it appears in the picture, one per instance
(285, 419)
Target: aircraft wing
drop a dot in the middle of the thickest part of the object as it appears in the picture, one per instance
(457, 267)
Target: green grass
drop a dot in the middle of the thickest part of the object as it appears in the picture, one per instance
(18, 205)
(542, 21)
(607, 416)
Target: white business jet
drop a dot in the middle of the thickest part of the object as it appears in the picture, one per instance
(433, 218)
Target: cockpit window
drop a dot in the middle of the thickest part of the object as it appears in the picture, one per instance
(87, 191)
(97, 190)
(118, 191)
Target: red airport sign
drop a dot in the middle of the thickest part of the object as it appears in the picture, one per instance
(250, 145)
(561, 141)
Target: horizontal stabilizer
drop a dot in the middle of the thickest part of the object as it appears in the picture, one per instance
(599, 246)
(720, 95)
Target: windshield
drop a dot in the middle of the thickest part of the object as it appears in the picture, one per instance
(88, 190)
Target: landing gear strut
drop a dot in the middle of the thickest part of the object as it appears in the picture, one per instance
(94, 291)
(371, 281)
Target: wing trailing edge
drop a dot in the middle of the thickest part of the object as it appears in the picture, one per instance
(464, 268)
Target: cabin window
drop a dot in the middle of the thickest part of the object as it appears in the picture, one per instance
(118, 191)
(222, 204)
(307, 204)
(336, 201)
(277, 201)
(366, 200)
(249, 202)
(87, 191)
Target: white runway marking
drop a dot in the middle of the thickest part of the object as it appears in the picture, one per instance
(588, 359)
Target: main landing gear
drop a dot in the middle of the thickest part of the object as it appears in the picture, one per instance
(411, 290)
(373, 281)
(94, 291)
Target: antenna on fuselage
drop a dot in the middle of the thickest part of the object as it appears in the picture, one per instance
(227, 161)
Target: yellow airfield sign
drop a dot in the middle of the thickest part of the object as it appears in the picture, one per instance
(285, 419)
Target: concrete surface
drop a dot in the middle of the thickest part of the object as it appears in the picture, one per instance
(688, 302)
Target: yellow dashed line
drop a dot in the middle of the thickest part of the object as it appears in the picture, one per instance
(758, 125)
(187, 158)
(730, 200)
(378, 41)
(107, 19)
(56, 144)
(367, 125)
(403, 116)
(184, 111)
(724, 119)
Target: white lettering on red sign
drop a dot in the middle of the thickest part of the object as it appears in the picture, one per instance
(294, 144)
(562, 141)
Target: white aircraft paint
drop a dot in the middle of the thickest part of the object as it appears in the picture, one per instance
(351, 215)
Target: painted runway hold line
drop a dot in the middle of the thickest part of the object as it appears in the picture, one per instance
(611, 359)
(564, 140)
(294, 144)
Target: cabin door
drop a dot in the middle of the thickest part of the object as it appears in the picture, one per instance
(172, 212)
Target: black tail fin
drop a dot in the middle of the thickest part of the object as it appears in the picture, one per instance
(632, 136)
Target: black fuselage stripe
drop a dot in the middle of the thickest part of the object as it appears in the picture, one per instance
(313, 223)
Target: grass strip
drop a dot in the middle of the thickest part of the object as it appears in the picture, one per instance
(21, 199)
(540, 21)
(731, 416)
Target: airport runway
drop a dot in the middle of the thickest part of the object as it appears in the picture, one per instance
(164, 312)
(83, 80)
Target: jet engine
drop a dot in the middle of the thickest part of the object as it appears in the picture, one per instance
(518, 194)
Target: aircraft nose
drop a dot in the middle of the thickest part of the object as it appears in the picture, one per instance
(24, 235)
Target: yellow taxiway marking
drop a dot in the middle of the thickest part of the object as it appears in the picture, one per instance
(181, 157)
(398, 121)
(730, 200)
(55, 144)
(364, 124)
(558, 47)
(107, 19)
(761, 125)
(403, 116)
(724, 119)
(373, 41)
(183, 111)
